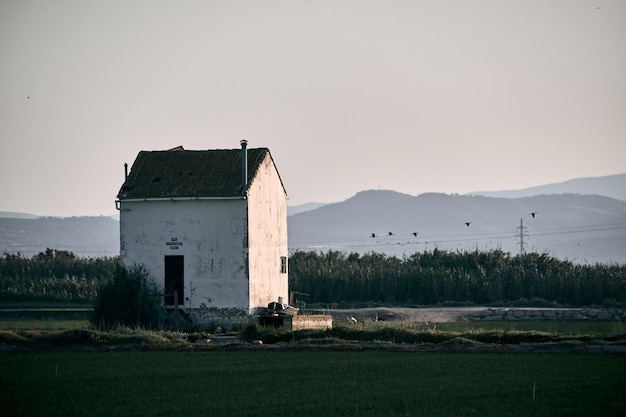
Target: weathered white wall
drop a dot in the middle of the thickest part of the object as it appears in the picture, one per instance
(267, 236)
(212, 237)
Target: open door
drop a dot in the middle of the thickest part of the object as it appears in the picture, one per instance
(174, 279)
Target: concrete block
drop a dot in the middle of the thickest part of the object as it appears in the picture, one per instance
(304, 321)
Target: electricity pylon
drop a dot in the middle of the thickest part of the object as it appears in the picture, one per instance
(522, 229)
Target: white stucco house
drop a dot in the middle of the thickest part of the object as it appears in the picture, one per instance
(207, 225)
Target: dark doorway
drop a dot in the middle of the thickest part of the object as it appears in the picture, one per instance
(174, 279)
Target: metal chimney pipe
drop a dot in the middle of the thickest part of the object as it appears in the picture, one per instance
(125, 171)
(244, 164)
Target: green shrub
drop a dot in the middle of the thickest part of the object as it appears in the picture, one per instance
(250, 332)
(130, 298)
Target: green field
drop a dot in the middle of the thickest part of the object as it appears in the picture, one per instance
(268, 382)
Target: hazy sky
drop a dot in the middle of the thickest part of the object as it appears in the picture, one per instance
(413, 96)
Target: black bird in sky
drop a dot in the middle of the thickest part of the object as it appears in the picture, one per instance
(468, 223)
(533, 214)
(373, 234)
(390, 233)
(415, 234)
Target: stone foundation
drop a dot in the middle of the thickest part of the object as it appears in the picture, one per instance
(225, 318)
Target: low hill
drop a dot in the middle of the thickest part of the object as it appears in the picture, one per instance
(583, 228)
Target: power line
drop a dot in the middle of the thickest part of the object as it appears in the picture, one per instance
(598, 228)
(439, 239)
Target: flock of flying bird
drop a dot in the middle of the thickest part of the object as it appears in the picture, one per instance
(533, 214)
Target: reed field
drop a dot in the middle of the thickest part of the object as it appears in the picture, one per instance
(435, 277)
(310, 383)
(424, 278)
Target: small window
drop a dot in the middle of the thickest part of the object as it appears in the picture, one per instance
(283, 264)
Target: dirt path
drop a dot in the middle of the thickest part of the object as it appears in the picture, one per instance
(421, 315)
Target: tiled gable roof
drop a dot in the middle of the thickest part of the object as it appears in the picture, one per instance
(180, 173)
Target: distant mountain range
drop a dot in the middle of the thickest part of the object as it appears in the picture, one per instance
(582, 220)
(613, 186)
(301, 208)
(582, 228)
(16, 215)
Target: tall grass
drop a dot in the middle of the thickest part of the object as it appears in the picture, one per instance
(424, 278)
(438, 276)
(53, 276)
